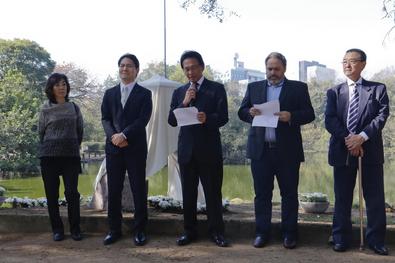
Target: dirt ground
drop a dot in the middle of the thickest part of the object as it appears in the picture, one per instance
(40, 248)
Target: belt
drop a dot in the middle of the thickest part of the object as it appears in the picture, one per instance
(270, 144)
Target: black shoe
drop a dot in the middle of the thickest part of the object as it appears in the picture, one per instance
(111, 238)
(76, 236)
(260, 241)
(338, 247)
(140, 239)
(58, 236)
(220, 240)
(289, 243)
(185, 240)
(380, 250)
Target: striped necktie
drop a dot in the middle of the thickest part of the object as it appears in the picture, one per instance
(353, 110)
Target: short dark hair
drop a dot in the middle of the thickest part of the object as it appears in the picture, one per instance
(54, 79)
(278, 56)
(131, 57)
(361, 53)
(191, 54)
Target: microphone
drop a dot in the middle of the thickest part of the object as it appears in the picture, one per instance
(193, 100)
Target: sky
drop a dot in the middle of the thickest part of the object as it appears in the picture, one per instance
(94, 34)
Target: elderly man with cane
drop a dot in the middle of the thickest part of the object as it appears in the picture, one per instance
(355, 115)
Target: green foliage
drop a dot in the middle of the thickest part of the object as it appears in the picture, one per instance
(387, 76)
(93, 146)
(174, 72)
(234, 133)
(2, 191)
(313, 197)
(18, 118)
(28, 58)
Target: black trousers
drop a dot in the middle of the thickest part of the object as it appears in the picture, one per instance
(69, 168)
(117, 165)
(263, 171)
(211, 175)
(373, 193)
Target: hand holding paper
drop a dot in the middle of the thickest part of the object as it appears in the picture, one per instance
(186, 116)
(267, 117)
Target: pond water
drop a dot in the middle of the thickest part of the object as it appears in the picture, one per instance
(315, 176)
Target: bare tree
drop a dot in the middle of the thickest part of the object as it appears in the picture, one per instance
(210, 8)
(389, 13)
(85, 89)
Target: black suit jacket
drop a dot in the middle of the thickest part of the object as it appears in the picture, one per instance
(294, 97)
(202, 139)
(131, 120)
(372, 115)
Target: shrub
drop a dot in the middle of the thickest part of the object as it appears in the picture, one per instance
(313, 197)
(2, 191)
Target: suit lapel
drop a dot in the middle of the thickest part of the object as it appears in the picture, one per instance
(264, 91)
(132, 95)
(364, 94)
(343, 102)
(284, 92)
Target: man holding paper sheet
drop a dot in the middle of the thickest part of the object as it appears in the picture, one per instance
(199, 146)
(276, 151)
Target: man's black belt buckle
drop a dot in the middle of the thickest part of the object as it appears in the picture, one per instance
(270, 144)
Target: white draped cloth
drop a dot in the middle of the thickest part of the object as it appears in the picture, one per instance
(162, 147)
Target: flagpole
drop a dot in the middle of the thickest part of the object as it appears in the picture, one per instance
(164, 35)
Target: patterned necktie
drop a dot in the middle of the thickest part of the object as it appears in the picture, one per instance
(195, 86)
(123, 96)
(353, 111)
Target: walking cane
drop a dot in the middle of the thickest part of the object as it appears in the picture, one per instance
(361, 245)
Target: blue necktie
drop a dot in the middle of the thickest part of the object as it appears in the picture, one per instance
(353, 111)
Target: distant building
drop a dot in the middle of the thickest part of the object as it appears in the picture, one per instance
(239, 72)
(303, 65)
(320, 73)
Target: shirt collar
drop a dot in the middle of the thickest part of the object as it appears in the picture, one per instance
(128, 86)
(200, 81)
(275, 85)
(352, 83)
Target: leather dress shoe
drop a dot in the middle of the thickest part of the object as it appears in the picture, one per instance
(260, 241)
(58, 236)
(140, 239)
(111, 238)
(185, 240)
(338, 247)
(76, 236)
(380, 250)
(289, 243)
(220, 240)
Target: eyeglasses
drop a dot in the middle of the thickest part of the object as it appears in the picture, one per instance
(351, 61)
(126, 65)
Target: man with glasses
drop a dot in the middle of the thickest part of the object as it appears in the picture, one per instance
(126, 110)
(355, 115)
(199, 147)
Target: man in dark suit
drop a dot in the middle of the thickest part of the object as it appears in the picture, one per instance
(355, 114)
(199, 147)
(276, 151)
(126, 110)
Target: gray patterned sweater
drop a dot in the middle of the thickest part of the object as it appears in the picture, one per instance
(60, 129)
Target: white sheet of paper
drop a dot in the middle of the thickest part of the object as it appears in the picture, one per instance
(186, 116)
(267, 117)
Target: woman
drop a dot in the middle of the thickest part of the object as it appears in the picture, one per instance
(60, 131)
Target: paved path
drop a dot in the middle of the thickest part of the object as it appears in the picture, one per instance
(40, 248)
